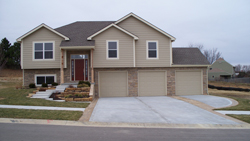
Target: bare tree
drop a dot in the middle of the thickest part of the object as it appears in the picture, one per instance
(212, 55)
(199, 46)
(246, 68)
(238, 68)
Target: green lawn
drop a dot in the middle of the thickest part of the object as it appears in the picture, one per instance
(245, 118)
(12, 96)
(243, 99)
(40, 114)
(244, 105)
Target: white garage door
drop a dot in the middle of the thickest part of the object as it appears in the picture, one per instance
(188, 82)
(113, 84)
(152, 83)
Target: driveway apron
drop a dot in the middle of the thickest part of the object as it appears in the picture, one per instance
(161, 109)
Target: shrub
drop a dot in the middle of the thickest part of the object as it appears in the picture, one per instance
(44, 85)
(82, 85)
(78, 95)
(32, 85)
(80, 82)
(84, 82)
(68, 96)
(54, 84)
(86, 95)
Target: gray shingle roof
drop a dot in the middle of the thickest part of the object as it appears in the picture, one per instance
(78, 32)
(188, 56)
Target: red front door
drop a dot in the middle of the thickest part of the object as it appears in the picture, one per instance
(79, 69)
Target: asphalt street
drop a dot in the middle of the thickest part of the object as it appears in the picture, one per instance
(31, 132)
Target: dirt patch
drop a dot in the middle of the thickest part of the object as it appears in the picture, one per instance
(11, 79)
(2, 98)
(229, 84)
(11, 73)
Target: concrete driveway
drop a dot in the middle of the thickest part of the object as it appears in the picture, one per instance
(161, 109)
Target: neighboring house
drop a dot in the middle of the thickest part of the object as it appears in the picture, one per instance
(220, 69)
(128, 57)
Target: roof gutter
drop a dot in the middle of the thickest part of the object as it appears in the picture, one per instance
(190, 65)
(77, 47)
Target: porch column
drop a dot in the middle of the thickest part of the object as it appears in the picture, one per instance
(92, 69)
(62, 66)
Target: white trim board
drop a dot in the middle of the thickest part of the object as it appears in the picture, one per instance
(112, 25)
(43, 42)
(107, 49)
(38, 27)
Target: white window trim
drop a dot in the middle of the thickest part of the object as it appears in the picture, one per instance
(45, 79)
(33, 51)
(157, 49)
(107, 49)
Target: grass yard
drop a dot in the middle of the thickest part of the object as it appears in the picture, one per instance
(242, 97)
(40, 114)
(245, 118)
(11, 96)
(229, 84)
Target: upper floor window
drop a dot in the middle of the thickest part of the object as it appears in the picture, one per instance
(112, 50)
(152, 49)
(43, 50)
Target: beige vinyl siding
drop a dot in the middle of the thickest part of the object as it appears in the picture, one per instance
(42, 34)
(152, 83)
(144, 32)
(113, 84)
(188, 82)
(125, 49)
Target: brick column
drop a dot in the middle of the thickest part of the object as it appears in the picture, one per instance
(92, 69)
(62, 66)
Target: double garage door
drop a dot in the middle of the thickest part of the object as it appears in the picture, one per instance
(150, 83)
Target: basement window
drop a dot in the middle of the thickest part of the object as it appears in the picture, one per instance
(48, 78)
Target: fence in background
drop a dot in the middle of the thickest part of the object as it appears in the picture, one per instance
(235, 80)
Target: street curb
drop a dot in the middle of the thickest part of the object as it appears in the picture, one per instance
(129, 125)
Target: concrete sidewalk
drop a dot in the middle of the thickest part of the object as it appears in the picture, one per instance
(234, 112)
(42, 108)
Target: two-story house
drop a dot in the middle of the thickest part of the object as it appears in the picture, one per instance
(127, 57)
(221, 69)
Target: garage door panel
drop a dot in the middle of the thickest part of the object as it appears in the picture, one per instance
(152, 83)
(188, 83)
(113, 84)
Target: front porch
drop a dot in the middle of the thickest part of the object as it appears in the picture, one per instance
(76, 64)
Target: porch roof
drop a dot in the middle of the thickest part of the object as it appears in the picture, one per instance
(78, 32)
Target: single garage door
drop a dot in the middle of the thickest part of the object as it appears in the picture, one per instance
(188, 83)
(152, 83)
(113, 84)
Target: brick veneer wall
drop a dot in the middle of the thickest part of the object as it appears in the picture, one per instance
(133, 78)
(29, 74)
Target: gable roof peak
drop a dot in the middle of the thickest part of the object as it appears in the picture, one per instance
(39, 27)
(147, 23)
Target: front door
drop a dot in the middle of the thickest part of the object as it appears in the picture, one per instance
(79, 67)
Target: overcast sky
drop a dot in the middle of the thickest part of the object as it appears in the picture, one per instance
(222, 24)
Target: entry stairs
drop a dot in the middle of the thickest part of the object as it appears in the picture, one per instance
(46, 94)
